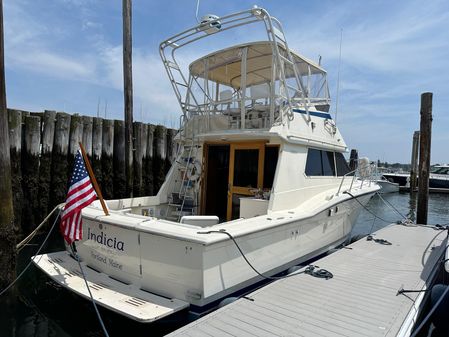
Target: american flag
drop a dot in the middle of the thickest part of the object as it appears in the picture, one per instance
(81, 194)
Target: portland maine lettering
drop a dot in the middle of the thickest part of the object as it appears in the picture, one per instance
(105, 241)
(106, 260)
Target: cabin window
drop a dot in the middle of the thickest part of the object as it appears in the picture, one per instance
(320, 163)
(313, 165)
(269, 167)
(245, 167)
(342, 164)
(327, 160)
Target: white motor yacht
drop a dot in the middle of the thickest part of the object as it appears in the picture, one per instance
(438, 178)
(260, 183)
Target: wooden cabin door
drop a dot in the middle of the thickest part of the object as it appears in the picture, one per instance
(246, 165)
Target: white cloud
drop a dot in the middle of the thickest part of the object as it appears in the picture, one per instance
(52, 64)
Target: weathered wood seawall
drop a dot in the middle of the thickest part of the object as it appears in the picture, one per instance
(43, 146)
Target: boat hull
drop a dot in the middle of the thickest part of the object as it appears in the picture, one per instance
(387, 186)
(201, 273)
(435, 181)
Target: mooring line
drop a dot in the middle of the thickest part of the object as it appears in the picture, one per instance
(32, 259)
(25, 241)
(75, 255)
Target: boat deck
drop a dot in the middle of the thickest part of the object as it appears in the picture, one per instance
(360, 300)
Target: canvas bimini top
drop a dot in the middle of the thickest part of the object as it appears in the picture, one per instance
(224, 66)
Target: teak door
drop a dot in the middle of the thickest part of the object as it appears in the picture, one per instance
(246, 165)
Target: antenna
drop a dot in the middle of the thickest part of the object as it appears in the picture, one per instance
(197, 10)
(338, 78)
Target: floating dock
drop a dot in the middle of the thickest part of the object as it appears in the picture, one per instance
(362, 298)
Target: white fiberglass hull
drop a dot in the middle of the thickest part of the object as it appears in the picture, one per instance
(203, 268)
(387, 186)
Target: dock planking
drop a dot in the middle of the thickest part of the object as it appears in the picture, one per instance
(360, 300)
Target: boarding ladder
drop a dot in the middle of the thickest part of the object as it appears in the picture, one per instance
(184, 199)
(277, 37)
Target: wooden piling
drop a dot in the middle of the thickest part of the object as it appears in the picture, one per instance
(31, 173)
(144, 146)
(97, 144)
(87, 135)
(147, 162)
(107, 161)
(59, 134)
(414, 163)
(76, 136)
(48, 136)
(15, 143)
(138, 157)
(7, 237)
(168, 150)
(128, 94)
(119, 160)
(160, 133)
(424, 157)
(59, 165)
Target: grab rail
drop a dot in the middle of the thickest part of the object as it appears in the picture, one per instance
(356, 173)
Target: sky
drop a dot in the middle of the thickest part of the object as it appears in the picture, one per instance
(66, 55)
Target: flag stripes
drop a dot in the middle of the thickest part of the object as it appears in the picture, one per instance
(80, 194)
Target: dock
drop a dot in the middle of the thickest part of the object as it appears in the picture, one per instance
(362, 298)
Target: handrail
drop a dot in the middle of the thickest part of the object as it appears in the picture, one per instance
(372, 174)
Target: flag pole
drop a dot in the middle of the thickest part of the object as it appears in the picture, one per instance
(93, 179)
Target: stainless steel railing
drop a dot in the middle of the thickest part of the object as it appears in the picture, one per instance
(366, 173)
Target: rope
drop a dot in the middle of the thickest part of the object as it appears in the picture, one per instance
(75, 255)
(320, 273)
(32, 259)
(25, 241)
(311, 268)
(389, 204)
(367, 209)
(380, 241)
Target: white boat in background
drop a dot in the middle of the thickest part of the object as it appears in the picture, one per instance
(387, 186)
(438, 178)
(260, 161)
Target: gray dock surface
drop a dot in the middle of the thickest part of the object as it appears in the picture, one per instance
(360, 300)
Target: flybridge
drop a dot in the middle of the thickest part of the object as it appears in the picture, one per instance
(248, 86)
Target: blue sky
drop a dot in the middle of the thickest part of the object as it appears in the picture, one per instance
(65, 55)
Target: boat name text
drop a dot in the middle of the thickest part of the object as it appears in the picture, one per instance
(104, 240)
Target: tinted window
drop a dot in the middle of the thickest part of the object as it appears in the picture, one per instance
(342, 165)
(327, 160)
(320, 163)
(269, 169)
(245, 167)
(313, 164)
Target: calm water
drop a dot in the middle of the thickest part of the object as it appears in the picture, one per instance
(39, 309)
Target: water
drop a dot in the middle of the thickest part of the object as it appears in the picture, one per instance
(39, 309)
